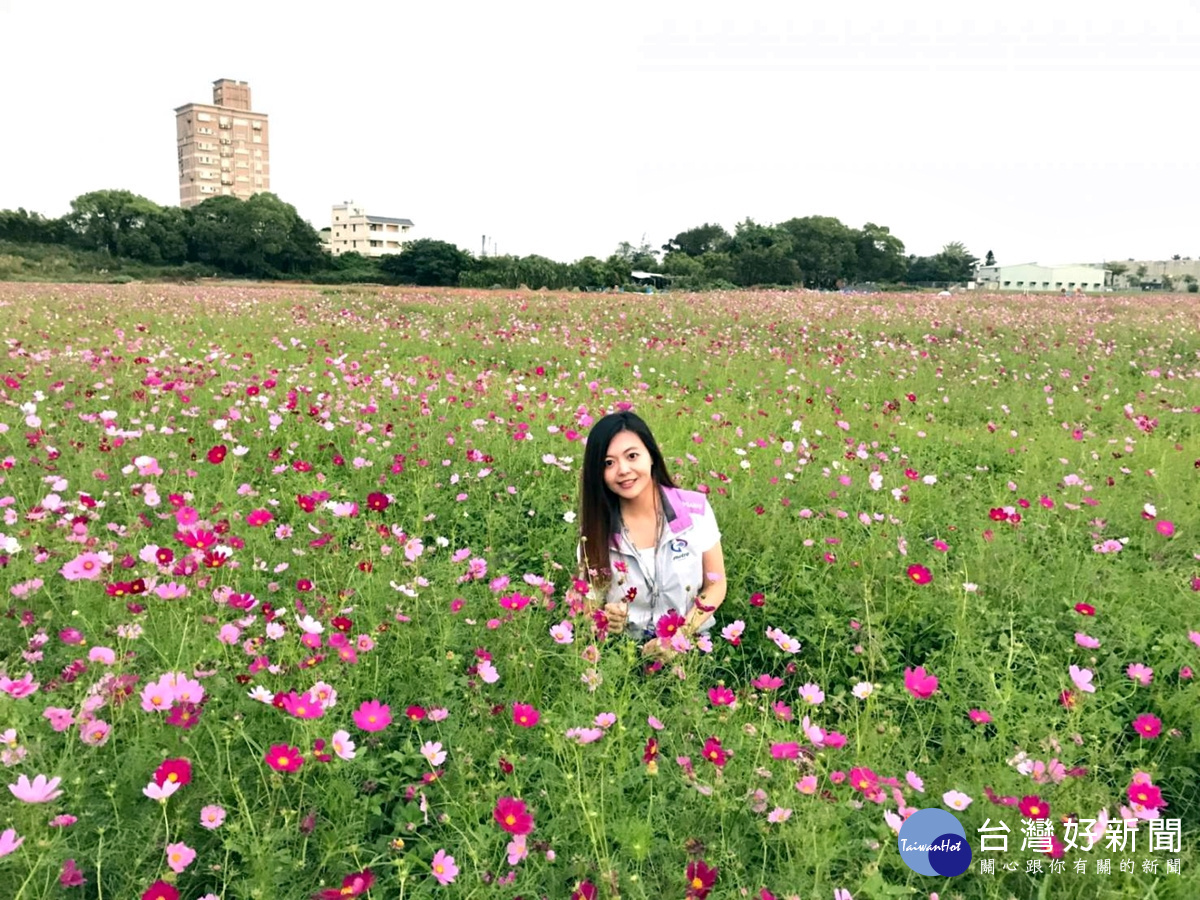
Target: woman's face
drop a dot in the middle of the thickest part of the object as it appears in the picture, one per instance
(627, 466)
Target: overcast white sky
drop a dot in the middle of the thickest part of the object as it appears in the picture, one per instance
(1055, 131)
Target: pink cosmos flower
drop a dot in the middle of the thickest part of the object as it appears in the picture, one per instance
(9, 841)
(342, 745)
(372, 716)
(1165, 527)
(444, 869)
(788, 750)
(20, 687)
(433, 752)
(920, 683)
(721, 696)
(812, 694)
(1082, 679)
(767, 682)
(212, 816)
(60, 719)
(179, 856)
(517, 849)
(95, 733)
(807, 785)
(40, 790)
(86, 566)
(70, 876)
(1142, 674)
(956, 800)
(1084, 640)
(161, 792)
(584, 735)
(980, 716)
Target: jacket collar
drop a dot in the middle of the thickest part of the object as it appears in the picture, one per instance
(678, 518)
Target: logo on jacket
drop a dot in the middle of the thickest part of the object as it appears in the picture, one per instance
(678, 545)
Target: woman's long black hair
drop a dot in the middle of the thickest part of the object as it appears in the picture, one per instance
(599, 508)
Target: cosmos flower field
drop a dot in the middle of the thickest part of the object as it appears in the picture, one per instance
(291, 608)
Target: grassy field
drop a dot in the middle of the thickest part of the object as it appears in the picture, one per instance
(239, 522)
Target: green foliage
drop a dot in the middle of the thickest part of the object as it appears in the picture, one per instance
(427, 262)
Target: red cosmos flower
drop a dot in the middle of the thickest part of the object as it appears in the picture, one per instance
(306, 503)
(283, 758)
(177, 770)
(341, 623)
(415, 713)
(919, 574)
(996, 514)
(669, 624)
(511, 815)
(505, 766)
(1034, 807)
(700, 878)
(378, 501)
(184, 715)
(160, 890)
(164, 556)
(216, 455)
(258, 518)
(353, 885)
(525, 715)
(1085, 609)
(758, 598)
(304, 585)
(650, 754)
(715, 753)
(585, 891)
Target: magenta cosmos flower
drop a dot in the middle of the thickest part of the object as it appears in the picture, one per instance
(920, 683)
(919, 574)
(1147, 725)
(283, 758)
(373, 716)
(511, 815)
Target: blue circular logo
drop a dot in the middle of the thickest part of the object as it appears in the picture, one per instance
(933, 842)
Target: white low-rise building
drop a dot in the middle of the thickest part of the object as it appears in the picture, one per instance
(1033, 277)
(353, 231)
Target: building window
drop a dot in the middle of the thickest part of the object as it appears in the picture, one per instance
(1020, 284)
(1070, 284)
(1045, 284)
(1058, 284)
(1007, 283)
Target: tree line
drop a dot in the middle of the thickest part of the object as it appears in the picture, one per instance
(264, 237)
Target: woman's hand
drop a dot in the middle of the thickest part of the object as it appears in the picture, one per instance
(659, 648)
(617, 615)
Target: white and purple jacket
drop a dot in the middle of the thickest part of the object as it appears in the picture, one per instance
(678, 572)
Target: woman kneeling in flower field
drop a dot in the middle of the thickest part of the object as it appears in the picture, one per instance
(651, 550)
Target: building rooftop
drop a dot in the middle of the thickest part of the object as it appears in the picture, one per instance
(388, 220)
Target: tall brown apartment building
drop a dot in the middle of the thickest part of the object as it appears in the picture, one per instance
(223, 147)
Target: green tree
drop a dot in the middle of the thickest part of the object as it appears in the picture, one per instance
(879, 254)
(697, 241)
(989, 259)
(32, 228)
(762, 255)
(640, 258)
(104, 220)
(427, 262)
(824, 249)
(262, 237)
